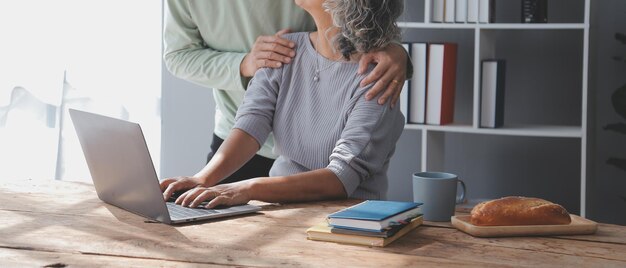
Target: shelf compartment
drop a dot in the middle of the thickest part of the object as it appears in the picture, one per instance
(546, 93)
(510, 130)
(464, 90)
(543, 78)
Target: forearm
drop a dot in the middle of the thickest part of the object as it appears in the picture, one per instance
(234, 152)
(187, 56)
(320, 184)
(207, 67)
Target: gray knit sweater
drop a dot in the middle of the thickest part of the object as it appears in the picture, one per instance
(322, 124)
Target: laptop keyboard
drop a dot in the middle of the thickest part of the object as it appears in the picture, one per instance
(180, 212)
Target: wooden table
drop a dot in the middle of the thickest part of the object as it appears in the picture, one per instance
(65, 224)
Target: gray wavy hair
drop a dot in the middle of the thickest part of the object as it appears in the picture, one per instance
(364, 25)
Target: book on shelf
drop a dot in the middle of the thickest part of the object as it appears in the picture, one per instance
(449, 11)
(461, 11)
(417, 100)
(472, 11)
(437, 14)
(374, 215)
(404, 94)
(324, 232)
(440, 91)
(486, 11)
(534, 11)
(493, 74)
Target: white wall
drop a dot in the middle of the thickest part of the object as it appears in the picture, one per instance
(187, 126)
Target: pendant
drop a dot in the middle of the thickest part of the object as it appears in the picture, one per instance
(315, 78)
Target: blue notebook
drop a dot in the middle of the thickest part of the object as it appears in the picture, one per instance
(374, 214)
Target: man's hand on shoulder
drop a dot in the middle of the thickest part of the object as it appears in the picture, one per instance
(388, 75)
(268, 51)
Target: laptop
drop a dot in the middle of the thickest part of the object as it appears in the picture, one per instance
(123, 173)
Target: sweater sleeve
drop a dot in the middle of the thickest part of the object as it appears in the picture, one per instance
(256, 114)
(186, 55)
(367, 142)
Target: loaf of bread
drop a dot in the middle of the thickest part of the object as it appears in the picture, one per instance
(517, 210)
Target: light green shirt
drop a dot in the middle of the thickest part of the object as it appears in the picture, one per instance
(206, 40)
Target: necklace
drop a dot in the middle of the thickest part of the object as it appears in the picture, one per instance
(316, 77)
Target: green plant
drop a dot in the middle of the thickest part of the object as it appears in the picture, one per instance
(618, 99)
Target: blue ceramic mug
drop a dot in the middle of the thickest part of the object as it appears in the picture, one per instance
(438, 192)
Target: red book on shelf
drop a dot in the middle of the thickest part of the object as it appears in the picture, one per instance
(441, 83)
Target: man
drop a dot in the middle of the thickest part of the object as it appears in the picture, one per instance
(220, 44)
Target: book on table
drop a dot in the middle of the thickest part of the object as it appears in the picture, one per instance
(374, 215)
(387, 232)
(325, 232)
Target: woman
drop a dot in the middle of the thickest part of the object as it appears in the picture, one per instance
(331, 141)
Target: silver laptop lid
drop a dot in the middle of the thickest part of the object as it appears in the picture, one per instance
(120, 164)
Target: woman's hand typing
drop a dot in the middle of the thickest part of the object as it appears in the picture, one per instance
(229, 194)
(171, 185)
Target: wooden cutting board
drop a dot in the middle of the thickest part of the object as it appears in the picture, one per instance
(578, 226)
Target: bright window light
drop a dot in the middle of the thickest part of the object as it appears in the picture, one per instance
(108, 51)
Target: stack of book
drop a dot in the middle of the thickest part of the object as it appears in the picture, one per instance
(370, 223)
(462, 11)
(428, 98)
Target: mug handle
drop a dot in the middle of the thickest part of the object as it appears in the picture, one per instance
(461, 199)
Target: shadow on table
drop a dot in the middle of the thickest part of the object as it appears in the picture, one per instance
(71, 219)
(157, 228)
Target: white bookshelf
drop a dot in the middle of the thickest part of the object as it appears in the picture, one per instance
(510, 130)
(432, 143)
(504, 26)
